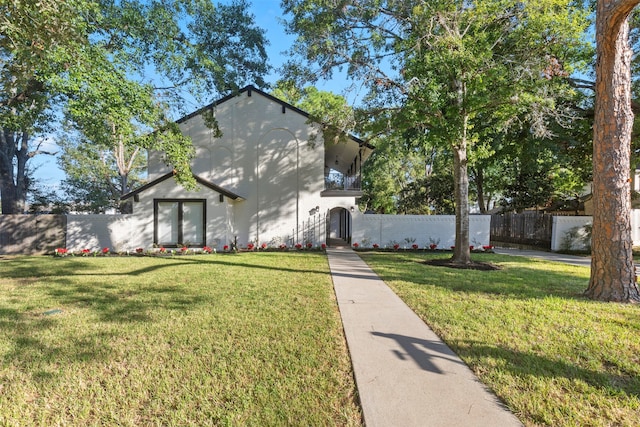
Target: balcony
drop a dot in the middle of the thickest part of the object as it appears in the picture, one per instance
(337, 184)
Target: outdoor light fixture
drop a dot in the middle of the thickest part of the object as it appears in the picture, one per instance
(352, 209)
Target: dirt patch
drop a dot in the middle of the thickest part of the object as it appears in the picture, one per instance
(475, 265)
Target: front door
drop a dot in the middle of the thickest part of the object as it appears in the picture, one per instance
(339, 226)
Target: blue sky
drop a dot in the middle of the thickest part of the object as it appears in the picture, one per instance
(268, 16)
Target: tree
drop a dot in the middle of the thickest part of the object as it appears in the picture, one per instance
(613, 275)
(119, 69)
(399, 178)
(102, 152)
(329, 110)
(439, 66)
(97, 178)
(35, 39)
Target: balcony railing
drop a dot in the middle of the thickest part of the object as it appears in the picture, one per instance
(338, 181)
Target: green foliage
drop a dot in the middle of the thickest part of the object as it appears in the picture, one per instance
(37, 41)
(444, 69)
(410, 181)
(49, 202)
(331, 111)
(93, 183)
(525, 171)
(119, 69)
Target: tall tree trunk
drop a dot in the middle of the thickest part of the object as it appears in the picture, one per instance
(479, 174)
(613, 275)
(22, 179)
(461, 252)
(7, 195)
(8, 190)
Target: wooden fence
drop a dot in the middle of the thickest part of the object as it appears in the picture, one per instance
(31, 234)
(529, 228)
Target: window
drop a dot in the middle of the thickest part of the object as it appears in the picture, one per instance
(179, 222)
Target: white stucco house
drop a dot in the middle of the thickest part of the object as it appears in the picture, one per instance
(270, 178)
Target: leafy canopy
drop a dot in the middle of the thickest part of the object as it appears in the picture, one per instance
(119, 69)
(441, 68)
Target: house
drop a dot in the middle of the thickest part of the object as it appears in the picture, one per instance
(270, 178)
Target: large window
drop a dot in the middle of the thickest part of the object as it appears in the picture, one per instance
(179, 222)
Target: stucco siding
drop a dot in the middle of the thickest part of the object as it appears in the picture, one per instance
(264, 155)
(385, 230)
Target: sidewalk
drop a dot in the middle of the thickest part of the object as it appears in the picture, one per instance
(406, 376)
(550, 256)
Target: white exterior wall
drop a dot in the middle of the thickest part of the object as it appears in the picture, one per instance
(385, 229)
(635, 226)
(564, 224)
(128, 232)
(264, 156)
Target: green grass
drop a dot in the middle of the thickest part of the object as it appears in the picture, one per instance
(554, 357)
(249, 339)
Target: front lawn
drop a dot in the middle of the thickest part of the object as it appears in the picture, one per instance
(248, 339)
(554, 357)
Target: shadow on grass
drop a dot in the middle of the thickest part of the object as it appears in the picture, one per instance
(521, 278)
(41, 329)
(611, 379)
(91, 288)
(41, 358)
(28, 267)
(112, 304)
(113, 307)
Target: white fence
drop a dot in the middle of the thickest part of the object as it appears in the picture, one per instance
(569, 232)
(116, 232)
(127, 232)
(405, 230)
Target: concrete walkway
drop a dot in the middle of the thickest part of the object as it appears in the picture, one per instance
(406, 376)
(584, 261)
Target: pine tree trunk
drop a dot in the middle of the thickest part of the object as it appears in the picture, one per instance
(613, 275)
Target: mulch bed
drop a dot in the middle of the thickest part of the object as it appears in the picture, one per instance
(474, 265)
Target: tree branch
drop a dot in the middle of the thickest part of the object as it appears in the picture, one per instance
(581, 83)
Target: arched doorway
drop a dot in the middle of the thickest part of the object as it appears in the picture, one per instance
(339, 227)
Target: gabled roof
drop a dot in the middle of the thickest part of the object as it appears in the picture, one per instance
(249, 90)
(199, 180)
